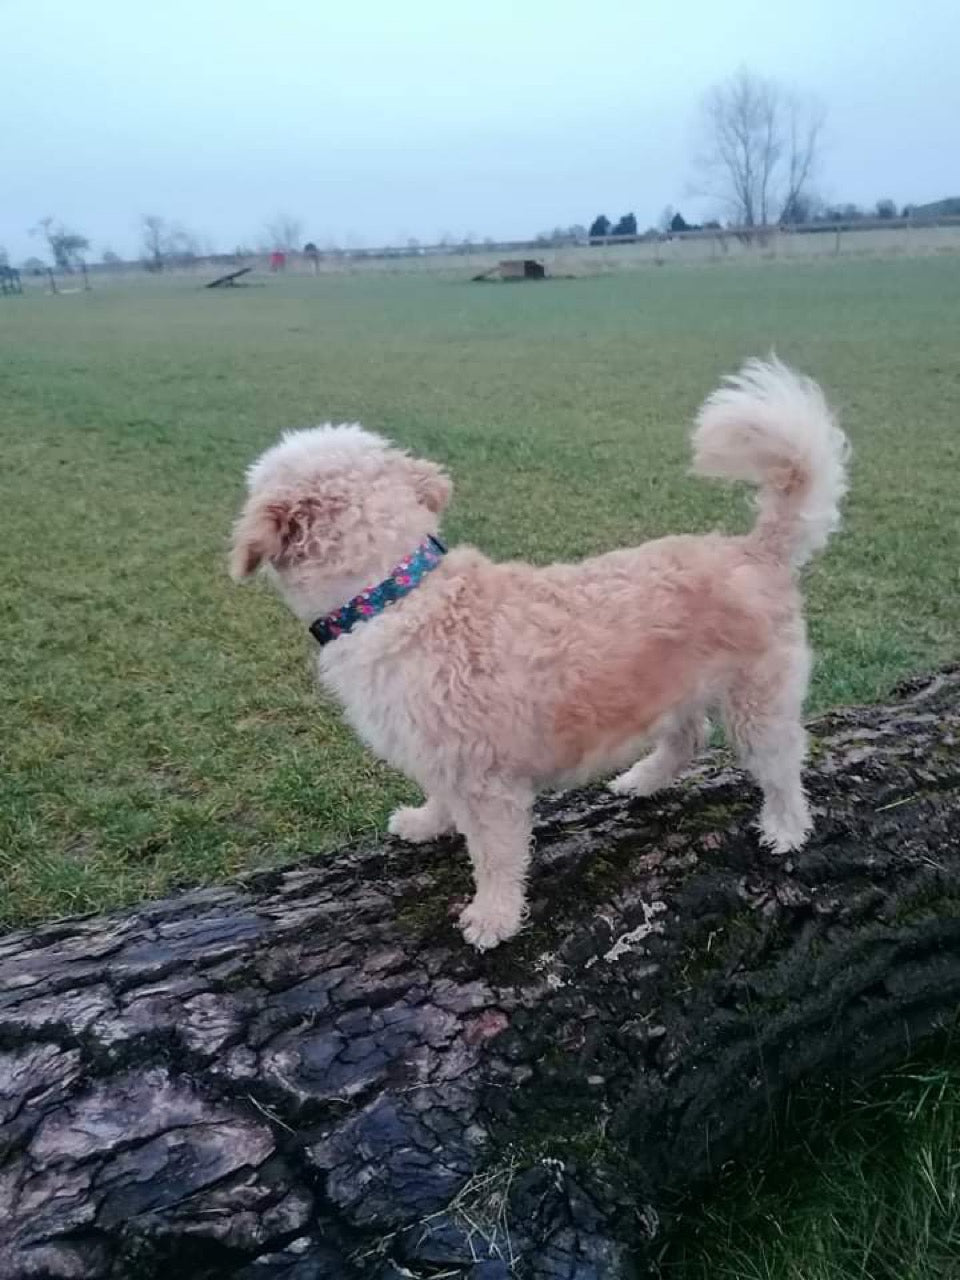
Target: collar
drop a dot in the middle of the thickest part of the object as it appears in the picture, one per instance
(400, 581)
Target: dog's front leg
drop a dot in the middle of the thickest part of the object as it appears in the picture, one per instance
(417, 825)
(496, 822)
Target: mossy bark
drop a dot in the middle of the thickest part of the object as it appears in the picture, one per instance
(308, 1074)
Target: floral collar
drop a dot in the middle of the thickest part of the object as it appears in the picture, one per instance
(400, 581)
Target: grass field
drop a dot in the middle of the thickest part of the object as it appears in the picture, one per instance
(159, 726)
(865, 1186)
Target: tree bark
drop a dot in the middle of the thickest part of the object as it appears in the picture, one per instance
(309, 1074)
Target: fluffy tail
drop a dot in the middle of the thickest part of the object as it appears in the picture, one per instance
(772, 427)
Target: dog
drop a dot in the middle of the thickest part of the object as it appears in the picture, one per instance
(486, 682)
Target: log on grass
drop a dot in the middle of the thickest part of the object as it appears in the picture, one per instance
(309, 1074)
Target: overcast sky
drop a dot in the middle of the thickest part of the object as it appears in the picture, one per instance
(385, 119)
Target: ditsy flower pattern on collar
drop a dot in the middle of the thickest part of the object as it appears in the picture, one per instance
(401, 580)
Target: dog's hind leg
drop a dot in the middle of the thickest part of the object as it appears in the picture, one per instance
(419, 824)
(762, 715)
(678, 743)
(497, 824)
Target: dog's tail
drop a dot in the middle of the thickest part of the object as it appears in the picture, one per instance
(772, 427)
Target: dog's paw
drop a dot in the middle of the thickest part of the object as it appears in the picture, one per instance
(486, 925)
(418, 825)
(636, 782)
(785, 834)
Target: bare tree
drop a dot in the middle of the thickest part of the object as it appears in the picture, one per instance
(804, 128)
(284, 233)
(66, 247)
(760, 148)
(154, 241)
(183, 246)
(167, 244)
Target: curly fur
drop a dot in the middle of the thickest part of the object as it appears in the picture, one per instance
(493, 681)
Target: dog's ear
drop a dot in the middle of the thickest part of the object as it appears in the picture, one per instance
(258, 535)
(431, 483)
(265, 531)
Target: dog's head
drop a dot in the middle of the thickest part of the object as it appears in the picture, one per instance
(330, 511)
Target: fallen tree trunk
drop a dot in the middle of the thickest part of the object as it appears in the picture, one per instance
(310, 1075)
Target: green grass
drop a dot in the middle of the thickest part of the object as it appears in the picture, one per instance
(158, 726)
(874, 1194)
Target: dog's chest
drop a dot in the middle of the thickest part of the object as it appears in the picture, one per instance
(375, 701)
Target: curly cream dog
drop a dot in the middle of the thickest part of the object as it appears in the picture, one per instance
(486, 683)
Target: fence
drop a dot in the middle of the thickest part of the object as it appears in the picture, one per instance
(880, 238)
(612, 253)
